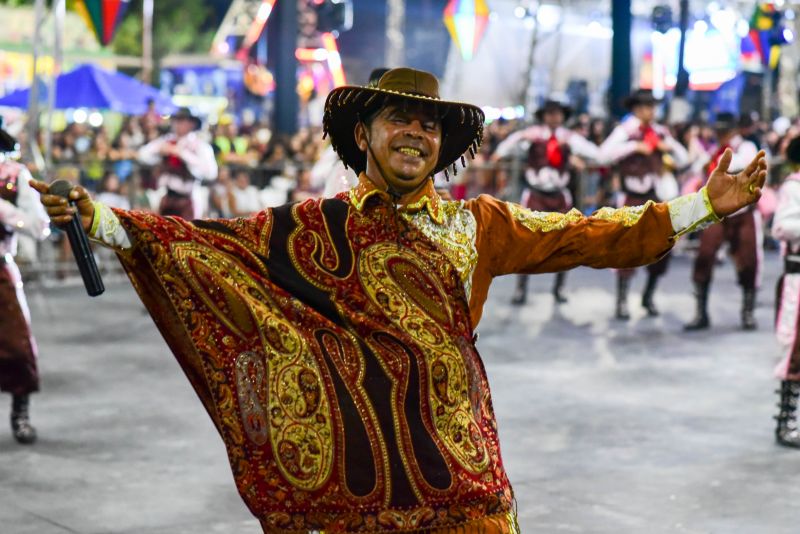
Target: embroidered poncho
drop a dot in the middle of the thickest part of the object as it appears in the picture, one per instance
(331, 342)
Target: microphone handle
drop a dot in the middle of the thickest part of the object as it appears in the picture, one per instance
(84, 256)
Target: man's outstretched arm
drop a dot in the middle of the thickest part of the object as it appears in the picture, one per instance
(515, 240)
(97, 219)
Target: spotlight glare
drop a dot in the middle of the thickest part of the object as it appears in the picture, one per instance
(95, 119)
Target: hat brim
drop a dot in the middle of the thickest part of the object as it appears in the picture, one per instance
(725, 126)
(566, 111)
(7, 143)
(191, 118)
(462, 124)
(630, 102)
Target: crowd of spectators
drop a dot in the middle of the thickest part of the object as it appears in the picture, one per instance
(258, 169)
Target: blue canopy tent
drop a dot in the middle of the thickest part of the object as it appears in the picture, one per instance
(89, 86)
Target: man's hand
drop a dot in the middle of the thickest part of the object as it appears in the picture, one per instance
(59, 210)
(729, 193)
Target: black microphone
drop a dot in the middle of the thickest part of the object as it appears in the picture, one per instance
(80, 243)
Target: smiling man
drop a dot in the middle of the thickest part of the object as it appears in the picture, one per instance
(333, 341)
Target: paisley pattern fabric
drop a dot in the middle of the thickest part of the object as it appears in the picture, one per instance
(332, 343)
(333, 348)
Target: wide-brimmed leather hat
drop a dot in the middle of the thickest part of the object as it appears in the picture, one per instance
(725, 122)
(7, 143)
(552, 104)
(640, 97)
(462, 124)
(185, 113)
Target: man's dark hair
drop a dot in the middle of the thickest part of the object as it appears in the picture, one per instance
(376, 75)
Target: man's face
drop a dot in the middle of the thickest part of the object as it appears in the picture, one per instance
(645, 112)
(553, 118)
(405, 142)
(182, 127)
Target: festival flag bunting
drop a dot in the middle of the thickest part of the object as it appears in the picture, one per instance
(764, 24)
(466, 21)
(102, 16)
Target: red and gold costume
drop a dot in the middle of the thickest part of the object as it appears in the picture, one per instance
(332, 342)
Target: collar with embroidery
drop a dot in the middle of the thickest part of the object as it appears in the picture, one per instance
(425, 198)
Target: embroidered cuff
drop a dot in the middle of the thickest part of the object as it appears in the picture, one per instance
(690, 213)
(107, 229)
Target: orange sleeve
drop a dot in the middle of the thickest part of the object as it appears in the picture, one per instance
(512, 239)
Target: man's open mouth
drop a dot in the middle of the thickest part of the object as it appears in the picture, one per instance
(410, 151)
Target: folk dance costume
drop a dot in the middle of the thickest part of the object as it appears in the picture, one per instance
(180, 173)
(20, 211)
(643, 179)
(547, 173)
(742, 231)
(786, 227)
(333, 341)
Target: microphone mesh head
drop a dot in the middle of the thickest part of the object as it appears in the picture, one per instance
(61, 188)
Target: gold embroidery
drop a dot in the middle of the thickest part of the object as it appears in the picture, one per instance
(252, 389)
(362, 192)
(299, 411)
(626, 216)
(454, 235)
(688, 216)
(431, 203)
(105, 224)
(541, 221)
(428, 198)
(448, 383)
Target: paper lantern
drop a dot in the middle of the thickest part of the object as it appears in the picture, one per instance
(102, 16)
(466, 21)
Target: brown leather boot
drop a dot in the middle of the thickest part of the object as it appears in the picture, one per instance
(622, 313)
(558, 288)
(521, 293)
(647, 296)
(748, 310)
(700, 321)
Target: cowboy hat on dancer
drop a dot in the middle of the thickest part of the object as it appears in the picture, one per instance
(550, 105)
(640, 97)
(185, 114)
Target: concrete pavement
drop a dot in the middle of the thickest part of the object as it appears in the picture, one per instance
(605, 427)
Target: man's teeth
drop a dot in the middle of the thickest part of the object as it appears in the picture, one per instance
(410, 152)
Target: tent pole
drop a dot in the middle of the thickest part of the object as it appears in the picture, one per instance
(59, 12)
(147, 41)
(527, 98)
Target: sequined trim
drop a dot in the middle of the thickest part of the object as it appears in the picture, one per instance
(107, 228)
(626, 216)
(691, 213)
(454, 234)
(541, 221)
(427, 198)
(362, 192)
